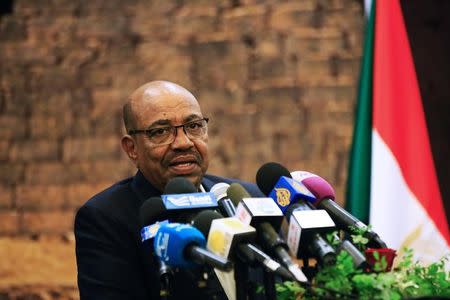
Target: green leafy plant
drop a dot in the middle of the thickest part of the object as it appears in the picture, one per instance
(358, 238)
(343, 281)
(289, 290)
(333, 238)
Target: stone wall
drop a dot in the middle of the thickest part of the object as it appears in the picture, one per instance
(277, 78)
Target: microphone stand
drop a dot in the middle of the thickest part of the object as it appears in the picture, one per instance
(269, 285)
(241, 278)
(165, 276)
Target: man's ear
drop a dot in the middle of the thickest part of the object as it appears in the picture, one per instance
(129, 146)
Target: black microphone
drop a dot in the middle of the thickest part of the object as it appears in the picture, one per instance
(152, 211)
(179, 185)
(225, 204)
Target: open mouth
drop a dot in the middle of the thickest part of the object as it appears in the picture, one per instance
(183, 166)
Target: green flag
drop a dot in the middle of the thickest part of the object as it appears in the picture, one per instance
(358, 183)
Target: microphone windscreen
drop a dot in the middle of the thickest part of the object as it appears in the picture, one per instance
(179, 185)
(203, 220)
(151, 211)
(236, 193)
(318, 186)
(268, 175)
(220, 190)
(172, 241)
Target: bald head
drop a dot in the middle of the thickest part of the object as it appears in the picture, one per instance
(149, 94)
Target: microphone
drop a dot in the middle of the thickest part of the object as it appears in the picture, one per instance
(262, 213)
(153, 211)
(275, 181)
(230, 237)
(325, 195)
(254, 210)
(220, 192)
(202, 221)
(359, 260)
(179, 185)
(181, 245)
(302, 225)
(180, 195)
(305, 223)
(303, 237)
(150, 213)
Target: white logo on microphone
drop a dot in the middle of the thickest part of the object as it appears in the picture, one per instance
(189, 200)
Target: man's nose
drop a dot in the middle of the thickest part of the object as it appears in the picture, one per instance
(181, 141)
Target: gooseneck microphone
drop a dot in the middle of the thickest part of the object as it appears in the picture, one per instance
(325, 196)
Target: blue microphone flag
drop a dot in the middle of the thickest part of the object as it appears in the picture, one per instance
(189, 201)
(287, 191)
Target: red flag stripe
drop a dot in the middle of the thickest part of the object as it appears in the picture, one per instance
(397, 110)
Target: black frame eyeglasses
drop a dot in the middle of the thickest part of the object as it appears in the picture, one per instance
(164, 135)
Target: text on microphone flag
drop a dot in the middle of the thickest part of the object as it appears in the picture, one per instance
(193, 200)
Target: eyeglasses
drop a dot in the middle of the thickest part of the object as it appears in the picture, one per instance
(165, 135)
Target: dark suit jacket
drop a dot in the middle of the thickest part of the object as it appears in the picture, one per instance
(112, 261)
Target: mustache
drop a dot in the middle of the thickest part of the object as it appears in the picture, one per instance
(173, 155)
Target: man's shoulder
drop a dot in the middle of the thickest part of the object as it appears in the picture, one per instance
(110, 195)
(252, 188)
(117, 204)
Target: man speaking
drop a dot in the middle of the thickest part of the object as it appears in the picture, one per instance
(166, 137)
